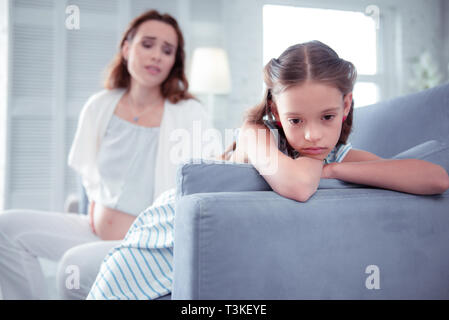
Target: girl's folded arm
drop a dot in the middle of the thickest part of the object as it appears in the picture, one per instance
(405, 175)
(297, 179)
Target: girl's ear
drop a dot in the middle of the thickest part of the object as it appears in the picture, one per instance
(274, 110)
(347, 100)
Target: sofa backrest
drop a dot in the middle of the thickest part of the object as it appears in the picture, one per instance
(218, 176)
(392, 126)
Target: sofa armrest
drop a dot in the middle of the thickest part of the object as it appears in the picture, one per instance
(259, 245)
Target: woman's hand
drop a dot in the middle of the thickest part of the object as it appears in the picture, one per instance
(91, 216)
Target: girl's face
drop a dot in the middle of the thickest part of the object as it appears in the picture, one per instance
(151, 53)
(311, 115)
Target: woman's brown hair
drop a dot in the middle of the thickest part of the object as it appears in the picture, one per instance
(175, 87)
(313, 61)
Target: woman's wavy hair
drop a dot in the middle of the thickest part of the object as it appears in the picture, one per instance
(313, 61)
(175, 87)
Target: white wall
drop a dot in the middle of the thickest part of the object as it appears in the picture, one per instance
(3, 91)
(445, 37)
(422, 27)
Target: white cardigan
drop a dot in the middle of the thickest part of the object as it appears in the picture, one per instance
(92, 124)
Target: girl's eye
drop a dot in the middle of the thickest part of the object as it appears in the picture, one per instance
(329, 117)
(294, 121)
(147, 44)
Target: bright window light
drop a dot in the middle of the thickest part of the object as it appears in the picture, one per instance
(353, 35)
(365, 93)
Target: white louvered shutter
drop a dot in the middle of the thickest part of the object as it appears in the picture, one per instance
(30, 145)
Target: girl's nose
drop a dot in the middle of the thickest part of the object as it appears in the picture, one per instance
(312, 133)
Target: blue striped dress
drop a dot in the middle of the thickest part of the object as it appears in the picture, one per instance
(338, 154)
(141, 267)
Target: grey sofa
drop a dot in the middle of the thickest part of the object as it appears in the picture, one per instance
(237, 239)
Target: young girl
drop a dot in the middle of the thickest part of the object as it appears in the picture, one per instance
(296, 136)
(121, 151)
(309, 101)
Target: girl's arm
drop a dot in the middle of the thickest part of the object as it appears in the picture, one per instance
(407, 175)
(296, 179)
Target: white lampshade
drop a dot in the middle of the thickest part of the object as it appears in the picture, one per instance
(209, 73)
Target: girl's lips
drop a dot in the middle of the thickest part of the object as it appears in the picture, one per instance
(153, 70)
(313, 150)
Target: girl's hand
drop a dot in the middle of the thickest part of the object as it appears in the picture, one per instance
(328, 171)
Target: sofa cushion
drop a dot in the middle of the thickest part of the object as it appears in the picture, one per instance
(391, 126)
(433, 151)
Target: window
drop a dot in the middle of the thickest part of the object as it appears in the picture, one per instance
(353, 35)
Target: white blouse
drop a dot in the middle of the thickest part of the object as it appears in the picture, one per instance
(126, 163)
(182, 117)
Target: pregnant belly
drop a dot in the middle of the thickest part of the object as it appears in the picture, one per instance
(111, 224)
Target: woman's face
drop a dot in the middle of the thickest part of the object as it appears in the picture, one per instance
(151, 53)
(311, 115)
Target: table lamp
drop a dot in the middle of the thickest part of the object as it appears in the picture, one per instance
(209, 74)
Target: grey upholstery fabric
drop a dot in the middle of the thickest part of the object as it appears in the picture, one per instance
(389, 127)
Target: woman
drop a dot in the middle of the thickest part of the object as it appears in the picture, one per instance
(121, 150)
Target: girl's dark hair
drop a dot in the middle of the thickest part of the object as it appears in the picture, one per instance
(313, 61)
(175, 87)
